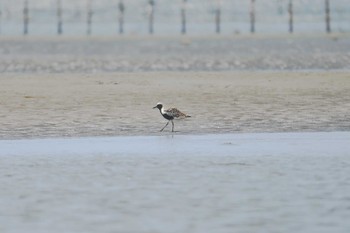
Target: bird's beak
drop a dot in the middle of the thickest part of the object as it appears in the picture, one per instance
(154, 107)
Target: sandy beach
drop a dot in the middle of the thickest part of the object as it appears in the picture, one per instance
(60, 105)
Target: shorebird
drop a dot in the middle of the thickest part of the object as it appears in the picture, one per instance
(170, 114)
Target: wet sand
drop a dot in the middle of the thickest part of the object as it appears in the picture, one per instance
(56, 105)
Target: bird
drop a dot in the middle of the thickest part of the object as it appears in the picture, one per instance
(170, 114)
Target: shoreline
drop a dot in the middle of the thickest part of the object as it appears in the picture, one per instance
(272, 144)
(166, 135)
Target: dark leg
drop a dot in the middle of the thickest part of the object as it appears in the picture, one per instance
(164, 126)
(172, 129)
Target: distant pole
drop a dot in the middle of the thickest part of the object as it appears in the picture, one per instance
(59, 17)
(252, 16)
(218, 16)
(151, 4)
(328, 16)
(25, 17)
(89, 17)
(290, 11)
(121, 16)
(183, 16)
(0, 20)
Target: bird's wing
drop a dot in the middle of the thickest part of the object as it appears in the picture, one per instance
(176, 113)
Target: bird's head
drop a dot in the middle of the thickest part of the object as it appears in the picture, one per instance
(159, 106)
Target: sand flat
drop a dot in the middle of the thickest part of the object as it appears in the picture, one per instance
(174, 53)
(56, 105)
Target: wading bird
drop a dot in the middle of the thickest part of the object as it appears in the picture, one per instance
(170, 114)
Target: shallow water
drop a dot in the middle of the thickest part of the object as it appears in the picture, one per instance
(211, 183)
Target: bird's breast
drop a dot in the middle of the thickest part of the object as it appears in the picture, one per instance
(168, 117)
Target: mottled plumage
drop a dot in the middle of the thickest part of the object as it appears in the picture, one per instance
(176, 113)
(170, 114)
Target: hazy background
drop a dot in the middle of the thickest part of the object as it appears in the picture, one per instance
(271, 16)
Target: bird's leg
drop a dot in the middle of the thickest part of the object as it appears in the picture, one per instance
(172, 129)
(164, 126)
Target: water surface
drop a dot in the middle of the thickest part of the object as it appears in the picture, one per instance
(211, 183)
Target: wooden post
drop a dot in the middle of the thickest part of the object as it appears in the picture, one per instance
(328, 16)
(59, 17)
(290, 11)
(252, 16)
(151, 16)
(183, 16)
(121, 16)
(25, 17)
(89, 17)
(217, 16)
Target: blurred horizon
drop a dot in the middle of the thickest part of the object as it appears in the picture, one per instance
(271, 16)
